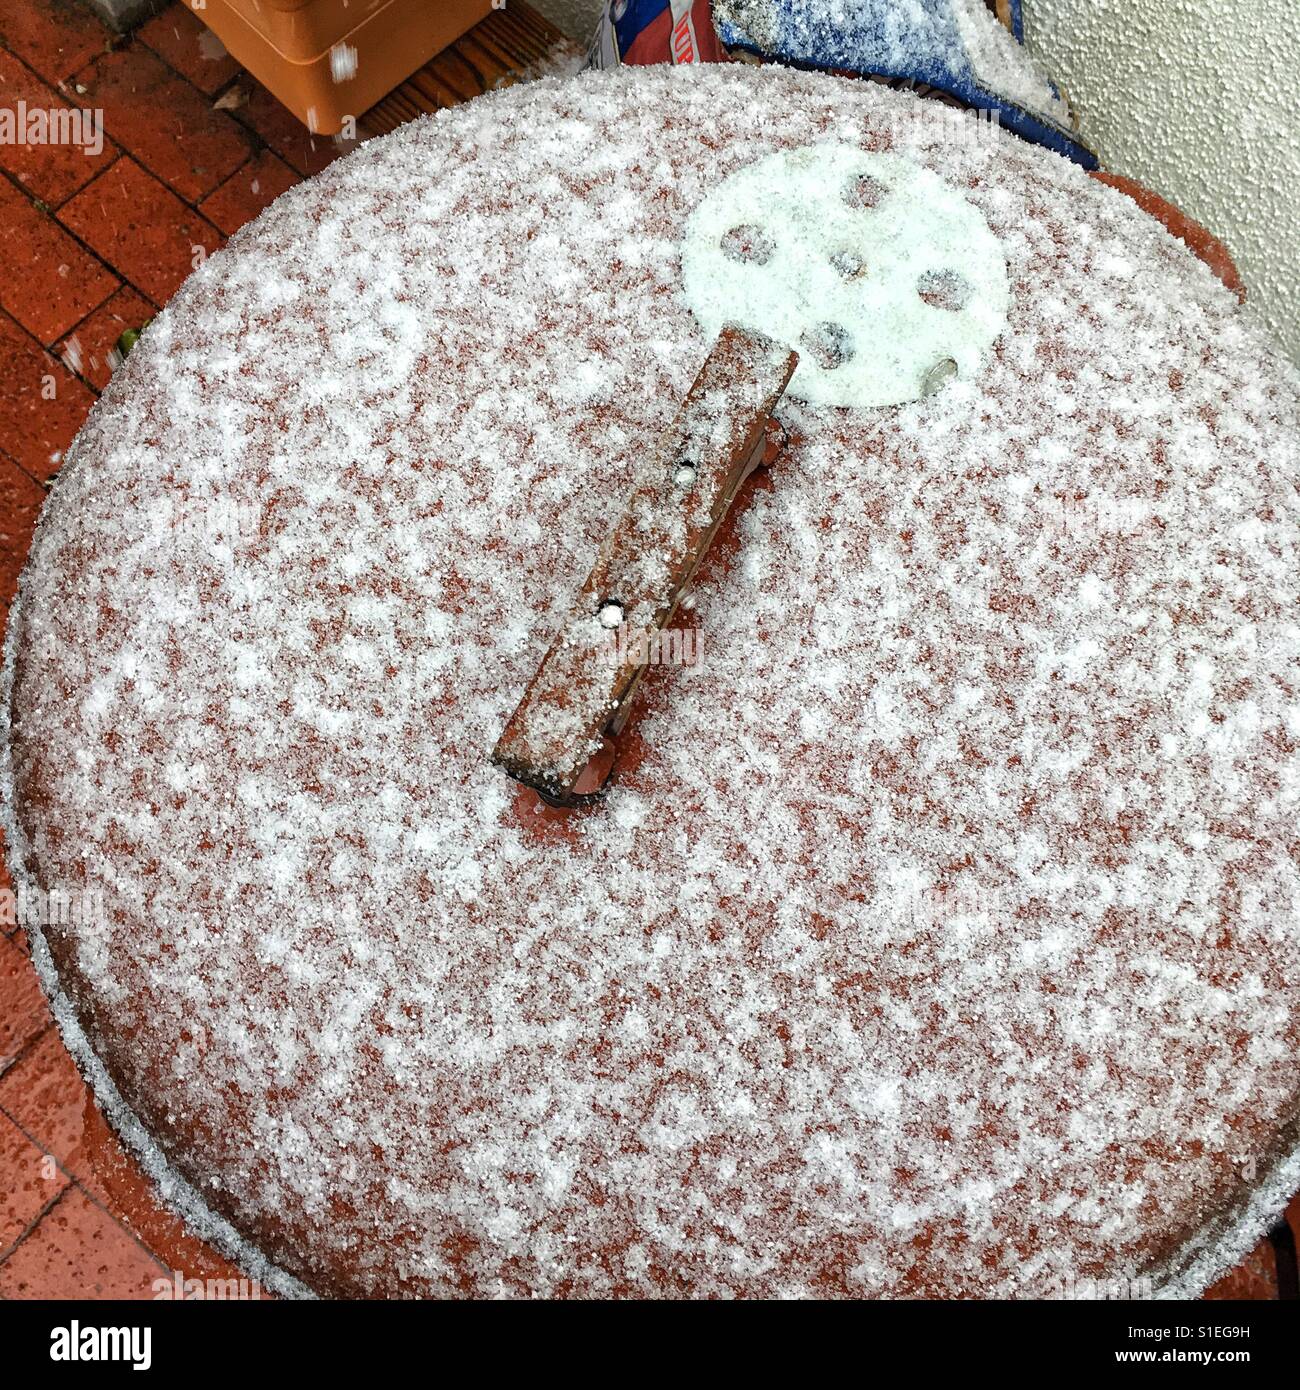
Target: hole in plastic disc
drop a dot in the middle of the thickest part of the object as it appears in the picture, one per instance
(865, 192)
(944, 289)
(747, 245)
(830, 345)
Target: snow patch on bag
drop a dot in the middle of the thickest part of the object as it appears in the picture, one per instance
(957, 46)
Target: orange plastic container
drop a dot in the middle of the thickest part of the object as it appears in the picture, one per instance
(330, 60)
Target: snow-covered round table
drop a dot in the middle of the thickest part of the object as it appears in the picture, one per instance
(940, 937)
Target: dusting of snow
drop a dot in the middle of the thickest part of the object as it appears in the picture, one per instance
(924, 38)
(939, 935)
(1000, 63)
(847, 284)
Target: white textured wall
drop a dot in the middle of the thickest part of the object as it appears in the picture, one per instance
(576, 17)
(1200, 100)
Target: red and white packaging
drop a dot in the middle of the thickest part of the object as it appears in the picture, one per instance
(656, 31)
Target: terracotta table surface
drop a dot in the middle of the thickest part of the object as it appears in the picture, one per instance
(91, 244)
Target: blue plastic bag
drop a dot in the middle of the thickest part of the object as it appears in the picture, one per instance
(958, 46)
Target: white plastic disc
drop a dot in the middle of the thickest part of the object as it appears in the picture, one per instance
(870, 265)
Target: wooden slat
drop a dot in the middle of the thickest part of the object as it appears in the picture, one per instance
(496, 53)
(581, 693)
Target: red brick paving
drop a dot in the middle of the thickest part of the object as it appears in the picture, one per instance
(7, 928)
(164, 122)
(29, 1181)
(283, 132)
(53, 37)
(47, 281)
(24, 1015)
(192, 50)
(113, 1177)
(20, 505)
(79, 1250)
(42, 405)
(52, 173)
(135, 222)
(117, 240)
(255, 187)
(1255, 1278)
(44, 1094)
(89, 348)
